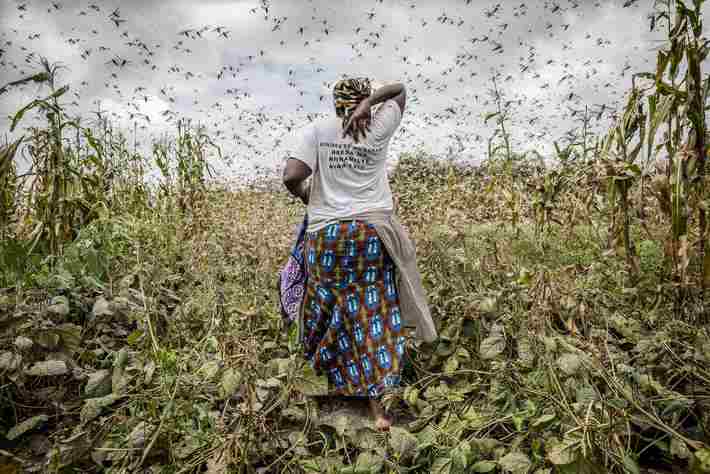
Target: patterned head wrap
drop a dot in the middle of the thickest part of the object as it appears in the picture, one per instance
(348, 93)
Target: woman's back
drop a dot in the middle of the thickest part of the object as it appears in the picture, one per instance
(349, 177)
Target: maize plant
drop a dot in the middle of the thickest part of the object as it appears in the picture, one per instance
(696, 51)
(12, 251)
(66, 191)
(8, 186)
(546, 190)
(668, 65)
(678, 200)
(97, 158)
(192, 165)
(502, 116)
(548, 186)
(127, 174)
(50, 200)
(585, 139)
(682, 194)
(184, 166)
(161, 157)
(618, 165)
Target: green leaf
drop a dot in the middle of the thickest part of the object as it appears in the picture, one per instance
(661, 64)
(47, 368)
(468, 328)
(562, 452)
(39, 77)
(98, 148)
(427, 437)
(309, 383)
(320, 465)
(515, 463)
(700, 463)
(99, 384)
(543, 420)
(59, 92)
(94, 406)
(518, 422)
(631, 465)
(646, 75)
(70, 335)
(484, 466)
(7, 154)
(231, 380)
(403, 443)
(489, 116)
(27, 425)
(209, 369)
(494, 344)
(580, 466)
(569, 363)
(485, 446)
(20, 113)
(13, 256)
(696, 119)
(461, 456)
(59, 305)
(134, 337)
(441, 465)
(451, 365)
(679, 449)
(444, 347)
(368, 462)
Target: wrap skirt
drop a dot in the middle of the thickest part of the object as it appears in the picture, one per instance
(352, 325)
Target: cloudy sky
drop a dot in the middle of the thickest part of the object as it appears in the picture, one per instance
(255, 71)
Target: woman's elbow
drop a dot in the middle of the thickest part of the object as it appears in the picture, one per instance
(291, 183)
(295, 172)
(290, 179)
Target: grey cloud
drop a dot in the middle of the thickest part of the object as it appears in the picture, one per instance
(259, 105)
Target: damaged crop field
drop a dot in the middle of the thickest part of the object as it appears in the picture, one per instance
(153, 343)
(140, 329)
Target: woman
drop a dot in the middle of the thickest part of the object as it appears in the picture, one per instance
(363, 286)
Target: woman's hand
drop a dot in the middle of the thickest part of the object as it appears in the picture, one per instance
(359, 121)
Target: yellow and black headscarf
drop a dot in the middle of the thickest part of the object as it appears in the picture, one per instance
(348, 93)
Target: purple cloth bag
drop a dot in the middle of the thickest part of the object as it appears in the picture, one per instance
(292, 278)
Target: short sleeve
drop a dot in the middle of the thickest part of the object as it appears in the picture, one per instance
(304, 146)
(386, 120)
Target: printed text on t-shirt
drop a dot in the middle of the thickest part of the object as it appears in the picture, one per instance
(347, 155)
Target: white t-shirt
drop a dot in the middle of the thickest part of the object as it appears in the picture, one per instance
(348, 178)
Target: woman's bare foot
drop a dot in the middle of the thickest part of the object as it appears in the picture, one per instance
(382, 421)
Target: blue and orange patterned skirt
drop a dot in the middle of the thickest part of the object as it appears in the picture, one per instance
(351, 318)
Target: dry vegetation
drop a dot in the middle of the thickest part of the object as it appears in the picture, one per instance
(140, 328)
